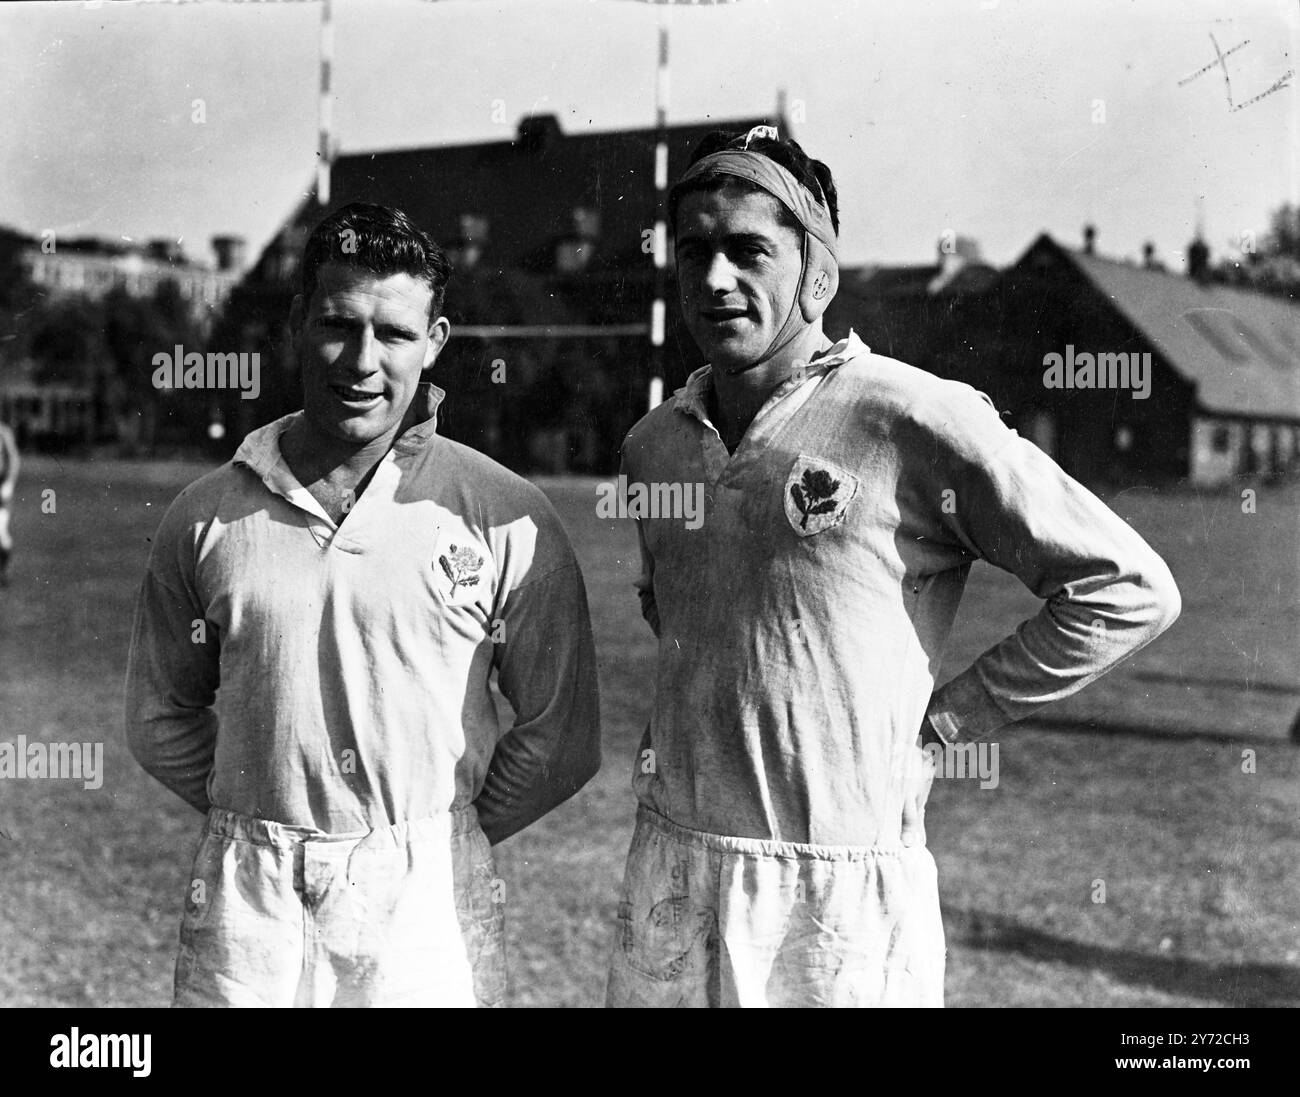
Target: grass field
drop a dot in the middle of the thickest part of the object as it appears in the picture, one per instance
(1138, 781)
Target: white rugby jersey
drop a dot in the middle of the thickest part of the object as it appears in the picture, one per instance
(336, 676)
(801, 625)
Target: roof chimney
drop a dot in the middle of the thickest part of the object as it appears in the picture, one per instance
(1089, 239)
(1198, 259)
(230, 252)
(537, 131)
(165, 249)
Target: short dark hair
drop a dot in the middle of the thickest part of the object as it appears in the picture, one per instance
(813, 174)
(379, 239)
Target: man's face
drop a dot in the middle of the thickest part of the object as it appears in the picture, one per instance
(738, 271)
(363, 342)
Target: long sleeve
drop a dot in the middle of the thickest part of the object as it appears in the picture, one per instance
(1106, 592)
(173, 669)
(546, 664)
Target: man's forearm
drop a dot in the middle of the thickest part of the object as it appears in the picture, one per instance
(1105, 592)
(1033, 668)
(177, 753)
(516, 794)
(1083, 630)
(171, 685)
(547, 671)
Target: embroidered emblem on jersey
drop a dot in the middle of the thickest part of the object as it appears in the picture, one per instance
(461, 566)
(817, 495)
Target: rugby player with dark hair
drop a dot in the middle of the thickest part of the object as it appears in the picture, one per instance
(779, 855)
(311, 659)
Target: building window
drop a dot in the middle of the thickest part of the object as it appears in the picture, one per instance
(1124, 438)
(1221, 439)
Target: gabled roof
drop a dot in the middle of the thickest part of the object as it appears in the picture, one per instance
(1241, 349)
(527, 187)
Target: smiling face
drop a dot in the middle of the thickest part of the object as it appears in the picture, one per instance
(738, 271)
(363, 342)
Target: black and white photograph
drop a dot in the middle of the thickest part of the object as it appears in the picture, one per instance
(632, 504)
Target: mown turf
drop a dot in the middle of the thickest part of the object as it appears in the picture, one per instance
(1137, 783)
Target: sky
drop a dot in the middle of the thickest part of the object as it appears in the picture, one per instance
(993, 119)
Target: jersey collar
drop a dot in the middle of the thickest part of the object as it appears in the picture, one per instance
(692, 397)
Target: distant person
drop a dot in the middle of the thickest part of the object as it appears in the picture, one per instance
(8, 481)
(779, 855)
(311, 658)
